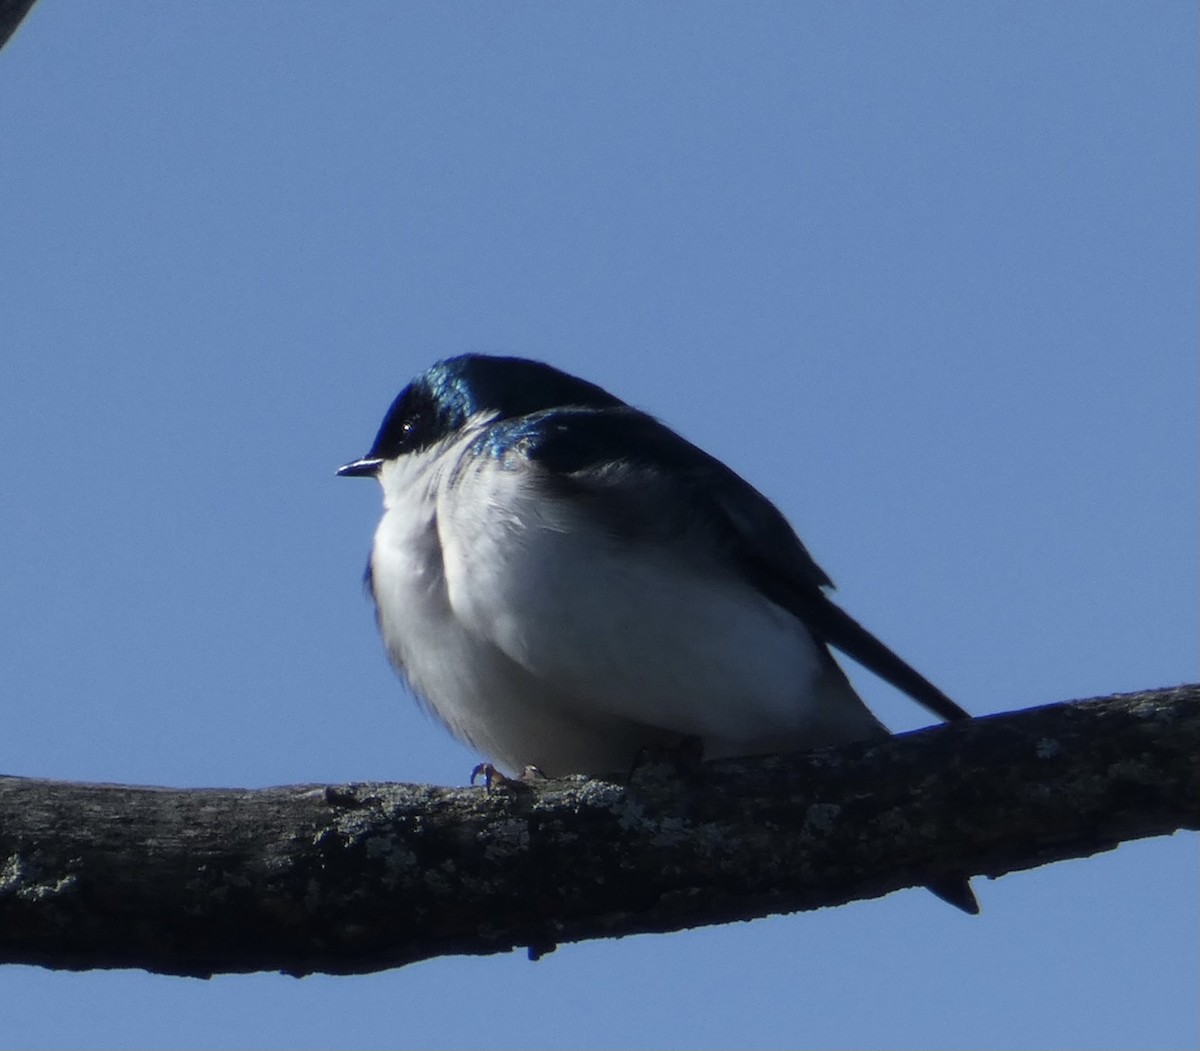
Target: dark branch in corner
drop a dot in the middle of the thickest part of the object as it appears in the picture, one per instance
(361, 877)
(11, 14)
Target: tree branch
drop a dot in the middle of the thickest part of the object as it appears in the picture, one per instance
(11, 14)
(361, 877)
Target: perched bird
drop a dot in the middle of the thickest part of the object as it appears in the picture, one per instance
(565, 582)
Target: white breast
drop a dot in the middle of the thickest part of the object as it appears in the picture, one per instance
(543, 640)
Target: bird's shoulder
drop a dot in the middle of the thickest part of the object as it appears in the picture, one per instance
(642, 481)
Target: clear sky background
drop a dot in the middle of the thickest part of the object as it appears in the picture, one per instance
(923, 273)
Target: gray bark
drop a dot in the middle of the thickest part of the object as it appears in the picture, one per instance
(361, 877)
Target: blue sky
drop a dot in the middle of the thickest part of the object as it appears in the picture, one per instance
(922, 273)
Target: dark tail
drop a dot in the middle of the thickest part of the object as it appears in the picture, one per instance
(957, 892)
(843, 632)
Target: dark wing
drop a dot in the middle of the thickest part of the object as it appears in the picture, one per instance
(645, 482)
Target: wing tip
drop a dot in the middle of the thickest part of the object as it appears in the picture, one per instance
(956, 891)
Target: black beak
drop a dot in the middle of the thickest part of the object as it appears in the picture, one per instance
(365, 468)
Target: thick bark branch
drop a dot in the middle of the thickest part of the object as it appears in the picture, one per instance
(362, 877)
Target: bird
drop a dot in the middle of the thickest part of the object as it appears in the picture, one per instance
(565, 582)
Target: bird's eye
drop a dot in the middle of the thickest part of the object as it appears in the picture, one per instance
(411, 435)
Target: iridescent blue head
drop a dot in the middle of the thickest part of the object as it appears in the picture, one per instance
(441, 400)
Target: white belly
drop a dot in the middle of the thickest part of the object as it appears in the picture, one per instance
(542, 641)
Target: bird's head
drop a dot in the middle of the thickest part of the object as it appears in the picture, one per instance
(471, 387)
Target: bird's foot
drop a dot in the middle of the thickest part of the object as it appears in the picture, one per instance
(493, 778)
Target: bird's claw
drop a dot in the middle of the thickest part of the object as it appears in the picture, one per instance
(491, 776)
(494, 778)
